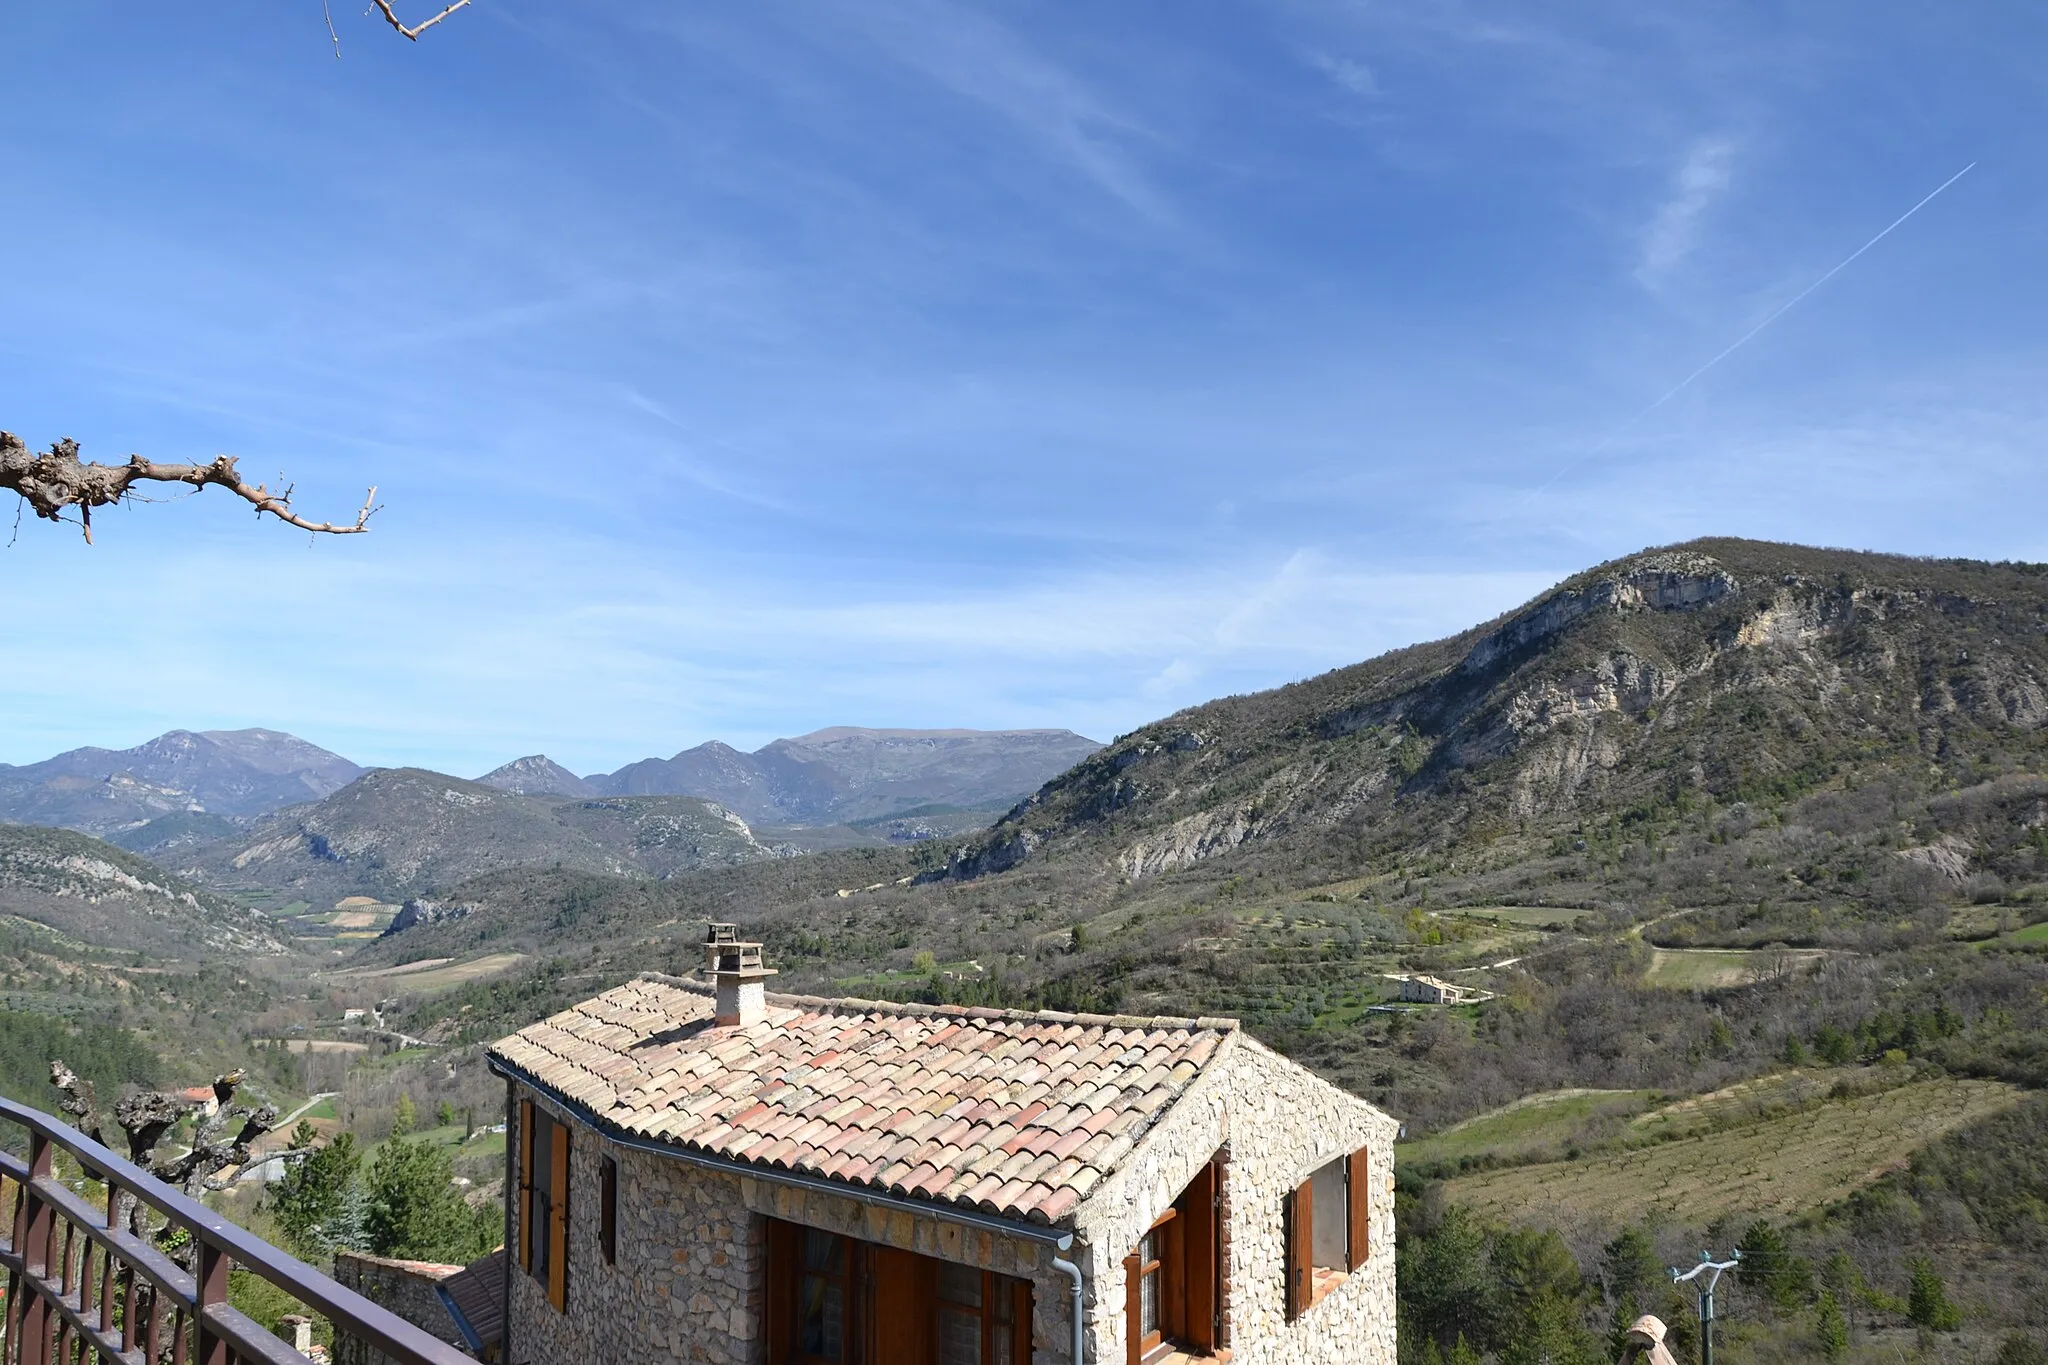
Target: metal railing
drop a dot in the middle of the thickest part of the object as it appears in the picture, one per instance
(83, 1288)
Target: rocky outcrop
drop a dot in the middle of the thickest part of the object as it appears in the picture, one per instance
(417, 911)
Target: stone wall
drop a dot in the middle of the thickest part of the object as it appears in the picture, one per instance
(1274, 1123)
(407, 1288)
(690, 1280)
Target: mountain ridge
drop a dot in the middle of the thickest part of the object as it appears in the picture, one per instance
(840, 774)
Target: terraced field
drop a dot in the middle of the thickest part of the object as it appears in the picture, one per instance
(1718, 968)
(1777, 1167)
(1534, 1127)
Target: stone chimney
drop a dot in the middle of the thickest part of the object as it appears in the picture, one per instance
(735, 968)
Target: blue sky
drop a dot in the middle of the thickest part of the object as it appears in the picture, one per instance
(733, 371)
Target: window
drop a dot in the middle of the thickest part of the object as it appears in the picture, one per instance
(822, 1297)
(983, 1318)
(1170, 1280)
(544, 1201)
(837, 1301)
(608, 1210)
(1327, 1229)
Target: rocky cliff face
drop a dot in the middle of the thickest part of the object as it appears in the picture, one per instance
(1726, 667)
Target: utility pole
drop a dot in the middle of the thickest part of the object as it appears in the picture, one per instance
(1705, 1290)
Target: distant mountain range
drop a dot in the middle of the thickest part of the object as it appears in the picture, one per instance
(190, 787)
(401, 832)
(834, 776)
(235, 773)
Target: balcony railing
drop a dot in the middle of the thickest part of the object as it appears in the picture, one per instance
(84, 1289)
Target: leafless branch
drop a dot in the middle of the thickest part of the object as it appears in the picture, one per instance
(391, 17)
(53, 480)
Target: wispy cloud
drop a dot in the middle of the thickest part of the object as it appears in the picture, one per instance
(1347, 73)
(988, 64)
(1673, 230)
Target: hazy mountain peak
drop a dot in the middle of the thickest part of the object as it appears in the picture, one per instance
(224, 772)
(537, 775)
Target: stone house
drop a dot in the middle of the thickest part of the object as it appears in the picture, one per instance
(1429, 990)
(712, 1173)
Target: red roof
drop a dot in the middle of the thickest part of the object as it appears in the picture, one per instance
(1013, 1113)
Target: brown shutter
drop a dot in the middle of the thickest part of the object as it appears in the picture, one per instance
(1300, 1225)
(1198, 1247)
(781, 1310)
(1358, 1193)
(526, 1186)
(558, 1222)
(1020, 1321)
(1133, 1321)
(608, 1211)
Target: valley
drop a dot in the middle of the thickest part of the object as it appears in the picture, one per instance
(1746, 846)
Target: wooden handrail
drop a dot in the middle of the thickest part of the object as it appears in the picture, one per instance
(82, 1287)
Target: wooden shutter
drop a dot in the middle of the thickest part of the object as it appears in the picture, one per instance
(781, 1311)
(1358, 1194)
(1199, 1257)
(608, 1211)
(1134, 1325)
(526, 1186)
(1299, 1222)
(558, 1220)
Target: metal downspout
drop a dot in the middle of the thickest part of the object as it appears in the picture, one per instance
(1072, 1272)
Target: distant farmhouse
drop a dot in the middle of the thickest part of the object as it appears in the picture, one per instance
(714, 1173)
(1430, 990)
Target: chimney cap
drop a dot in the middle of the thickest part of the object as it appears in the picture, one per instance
(729, 957)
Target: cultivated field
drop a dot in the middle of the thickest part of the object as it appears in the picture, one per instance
(1533, 1127)
(434, 973)
(1778, 1167)
(1522, 916)
(1715, 968)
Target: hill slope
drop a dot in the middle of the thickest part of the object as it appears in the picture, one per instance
(400, 832)
(1720, 672)
(108, 898)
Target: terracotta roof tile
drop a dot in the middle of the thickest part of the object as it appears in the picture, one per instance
(1020, 1113)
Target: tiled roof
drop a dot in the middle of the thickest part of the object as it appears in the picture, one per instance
(1007, 1112)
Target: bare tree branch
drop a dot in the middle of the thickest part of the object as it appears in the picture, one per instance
(391, 17)
(53, 480)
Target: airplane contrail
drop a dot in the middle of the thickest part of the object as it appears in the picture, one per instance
(1794, 301)
(1751, 334)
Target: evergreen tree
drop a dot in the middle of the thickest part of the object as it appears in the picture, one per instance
(444, 1114)
(1927, 1302)
(1629, 1265)
(1463, 1354)
(415, 1210)
(1442, 1278)
(1830, 1328)
(1771, 1270)
(318, 1199)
